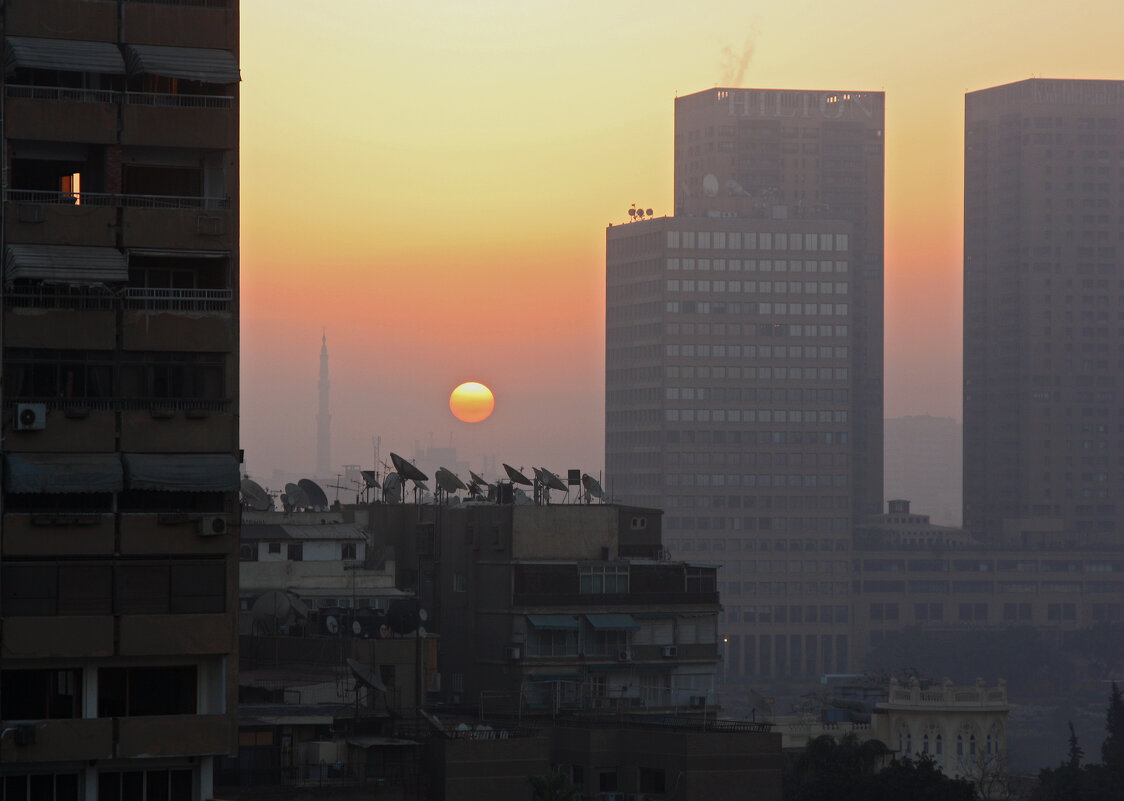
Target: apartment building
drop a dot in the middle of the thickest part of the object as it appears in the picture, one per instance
(120, 435)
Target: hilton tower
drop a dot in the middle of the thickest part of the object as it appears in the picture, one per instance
(744, 361)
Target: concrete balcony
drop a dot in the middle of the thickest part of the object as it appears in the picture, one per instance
(62, 637)
(206, 331)
(176, 735)
(61, 19)
(176, 635)
(196, 224)
(76, 740)
(57, 535)
(170, 534)
(189, 25)
(195, 121)
(91, 329)
(209, 427)
(49, 218)
(73, 428)
(59, 114)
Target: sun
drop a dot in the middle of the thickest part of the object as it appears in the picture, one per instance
(472, 402)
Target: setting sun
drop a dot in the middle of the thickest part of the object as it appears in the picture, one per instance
(472, 402)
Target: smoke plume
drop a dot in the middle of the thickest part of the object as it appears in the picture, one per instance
(736, 62)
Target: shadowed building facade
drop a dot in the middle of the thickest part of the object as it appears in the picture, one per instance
(1043, 299)
(744, 362)
(120, 396)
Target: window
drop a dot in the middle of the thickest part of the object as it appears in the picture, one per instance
(294, 552)
(460, 582)
(274, 547)
(608, 579)
(40, 694)
(142, 691)
(552, 643)
(53, 374)
(347, 550)
(146, 785)
(42, 787)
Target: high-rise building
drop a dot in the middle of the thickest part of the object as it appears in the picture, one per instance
(744, 361)
(118, 597)
(1043, 298)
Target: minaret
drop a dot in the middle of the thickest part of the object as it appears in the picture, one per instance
(323, 417)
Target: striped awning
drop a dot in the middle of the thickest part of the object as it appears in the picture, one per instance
(613, 622)
(65, 264)
(190, 63)
(182, 472)
(62, 54)
(65, 473)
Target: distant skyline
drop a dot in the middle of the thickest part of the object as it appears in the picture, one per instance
(432, 184)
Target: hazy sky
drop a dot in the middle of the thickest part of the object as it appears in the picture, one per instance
(430, 182)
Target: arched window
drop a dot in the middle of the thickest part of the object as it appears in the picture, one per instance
(989, 743)
(925, 744)
(940, 746)
(908, 743)
(972, 745)
(959, 745)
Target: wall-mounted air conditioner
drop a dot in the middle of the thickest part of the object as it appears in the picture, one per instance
(31, 416)
(212, 526)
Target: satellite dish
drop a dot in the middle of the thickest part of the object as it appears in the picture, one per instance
(648, 212)
(476, 479)
(402, 616)
(356, 628)
(407, 470)
(332, 624)
(370, 479)
(516, 477)
(592, 486)
(297, 497)
(365, 676)
(316, 497)
(447, 481)
(271, 611)
(392, 488)
(710, 185)
(632, 212)
(552, 481)
(520, 498)
(255, 497)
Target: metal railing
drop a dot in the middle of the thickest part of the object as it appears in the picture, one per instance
(47, 297)
(62, 93)
(191, 300)
(52, 198)
(186, 3)
(122, 404)
(179, 100)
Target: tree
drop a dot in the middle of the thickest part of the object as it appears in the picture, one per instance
(1076, 752)
(552, 787)
(1112, 751)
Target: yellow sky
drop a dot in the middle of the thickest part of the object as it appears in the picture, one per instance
(431, 183)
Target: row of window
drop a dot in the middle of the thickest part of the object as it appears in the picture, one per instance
(805, 480)
(808, 417)
(781, 589)
(751, 545)
(721, 372)
(758, 351)
(757, 266)
(154, 784)
(1001, 587)
(124, 588)
(805, 309)
(51, 694)
(755, 329)
(756, 240)
(988, 566)
(760, 287)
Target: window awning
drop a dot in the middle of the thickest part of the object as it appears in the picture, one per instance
(613, 622)
(42, 473)
(182, 472)
(190, 63)
(62, 54)
(65, 264)
(553, 622)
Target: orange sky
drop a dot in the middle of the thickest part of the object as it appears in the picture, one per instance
(430, 182)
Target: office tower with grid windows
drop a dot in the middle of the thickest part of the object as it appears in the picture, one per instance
(118, 595)
(744, 362)
(1043, 306)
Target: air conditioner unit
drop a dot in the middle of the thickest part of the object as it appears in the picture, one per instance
(31, 416)
(624, 656)
(513, 652)
(671, 650)
(698, 701)
(212, 526)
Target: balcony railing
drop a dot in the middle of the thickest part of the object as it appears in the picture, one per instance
(122, 404)
(189, 300)
(187, 3)
(605, 599)
(179, 101)
(188, 202)
(62, 93)
(48, 297)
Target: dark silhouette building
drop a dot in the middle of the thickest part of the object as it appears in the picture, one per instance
(1043, 299)
(744, 362)
(118, 593)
